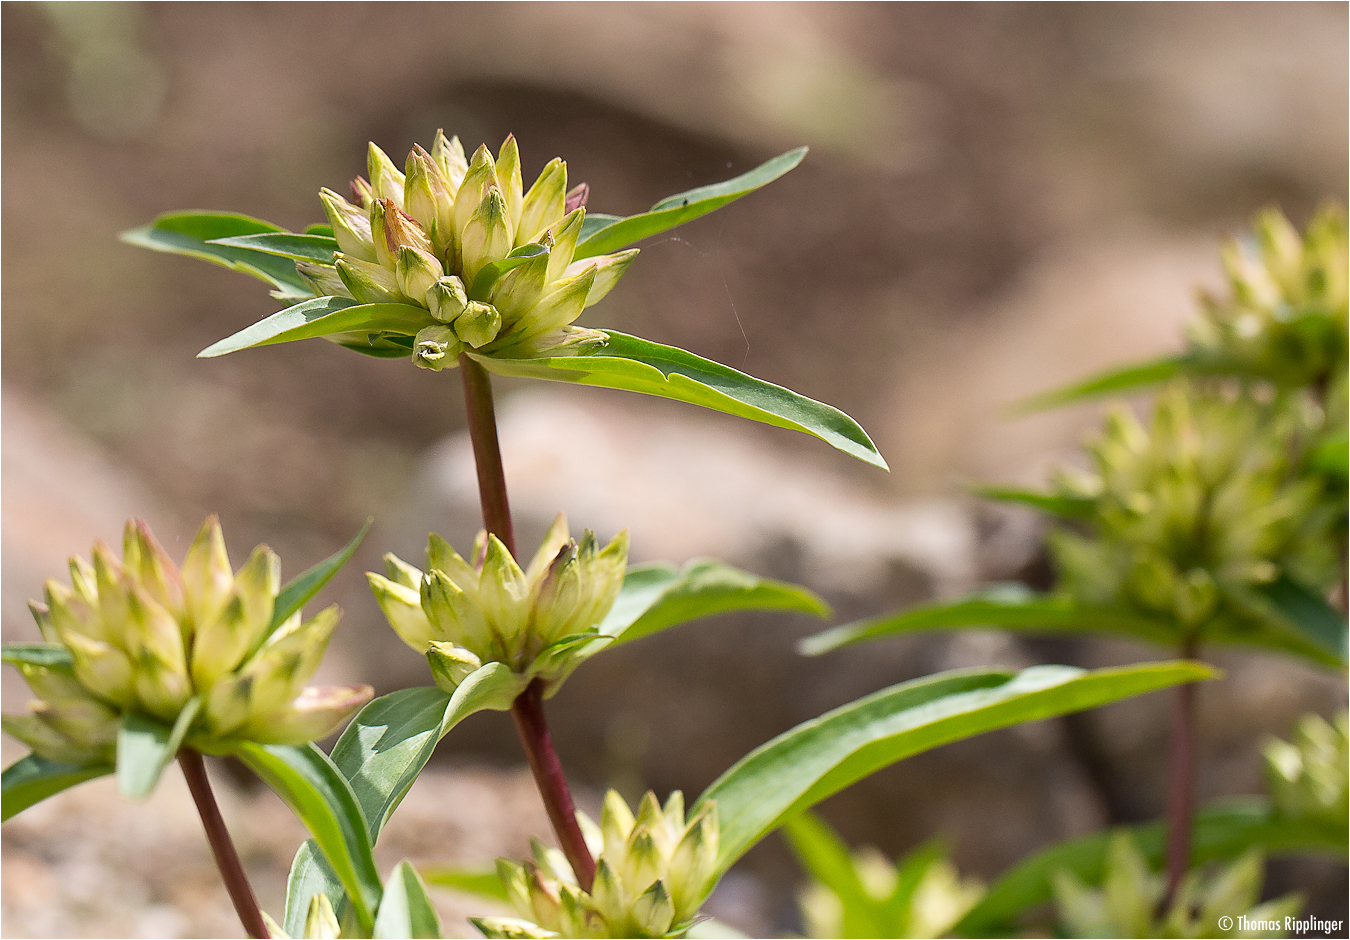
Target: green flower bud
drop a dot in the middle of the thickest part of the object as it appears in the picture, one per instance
(402, 607)
(478, 325)
(450, 664)
(542, 207)
(449, 156)
(323, 279)
(351, 226)
(481, 174)
(417, 271)
(391, 229)
(1307, 777)
(368, 282)
(362, 193)
(447, 299)
(314, 714)
(321, 922)
(45, 741)
(428, 199)
(386, 182)
(520, 289)
(509, 180)
(436, 347)
(486, 236)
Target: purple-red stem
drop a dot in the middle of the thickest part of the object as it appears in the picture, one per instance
(227, 859)
(1181, 760)
(528, 709)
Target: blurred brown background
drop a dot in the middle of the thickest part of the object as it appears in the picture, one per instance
(998, 198)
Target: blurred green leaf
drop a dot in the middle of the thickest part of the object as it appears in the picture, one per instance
(306, 247)
(1308, 614)
(638, 365)
(684, 207)
(480, 882)
(818, 758)
(1127, 379)
(1223, 830)
(32, 779)
(190, 233)
(314, 789)
(50, 655)
(323, 316)
(1009, 607)
(658, 596)
(298, 591)
(1067, 507)
(828, 860)
(1332, 455)
(405, 910)
(146, 746)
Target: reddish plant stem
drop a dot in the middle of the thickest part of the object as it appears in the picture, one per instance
(1181, 760)
(528, 709)
(227, 859)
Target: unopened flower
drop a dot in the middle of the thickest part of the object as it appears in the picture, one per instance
(652, 873)
(145, 637)
(461, 237)
(1307, 775)
(462, 614)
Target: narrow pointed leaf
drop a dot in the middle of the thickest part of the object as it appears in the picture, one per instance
(1009, 607)
(297, 592)
(314, 789)
(1128, 379)
(323, 316)
(1223, 830)
(828, 860)
(50, 655)
(685, 207)
(480, 882)
(405, 910)
(320, 248)
(1309, 615)
(658, 596)
(1066, 507)
(32, 779)
(146, 746)
(820, 757)
(595, 221)
(638, 365)
(310, 875)
(191, 233)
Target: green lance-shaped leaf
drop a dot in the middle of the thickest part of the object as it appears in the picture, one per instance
(1066, 507)
(1307, 616)
(297, 592)
(314, 789)
(657, 596)
(1117, 381)
(49, 655)
(146, 746)
(638, 365)
(323, 316)
(808, 763)
(192, 233)
(828, 859)
(405, 910)
(32, 779)
(683, 207)
(480, 882)
(310, 875)
(1009, 607)
(285, 245)
(1223, 830)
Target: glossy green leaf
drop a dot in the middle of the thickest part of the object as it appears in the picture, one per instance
(1009, 607)
(310, 875)
(298, 591)
(320, 228)
(480, 882)
(146, 746)
(50, 655)
(638, 365)
(658, 596)
(323, 316)
(32, 779)
(828, 860)
(405, 910)
(818, 758)
(493, 272)
(1223, 830)
(1308, 615)
(594, 222)
(1117, 381)
(685, 207)
(1066, 507)
(191, 233)
(318, 248)
(314, 789)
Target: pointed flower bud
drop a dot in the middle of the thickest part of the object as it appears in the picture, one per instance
(368, 282)
(542, 206)
(417, 272)
(428, 199)
(436, 347)
(509, 180)
(478, 325)
(447, 299)
(145, 637)
(351, 226)
(391, 229)
(321, 922)
(487, 235)
(449, 156)
(386, 182)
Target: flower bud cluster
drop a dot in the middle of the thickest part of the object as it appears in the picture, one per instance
(463, 614)
(1284, 318)
(1307, 776)
(144, 637)
(430, 236)
(652, 873)
(1195, 511)
(1213, 904)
